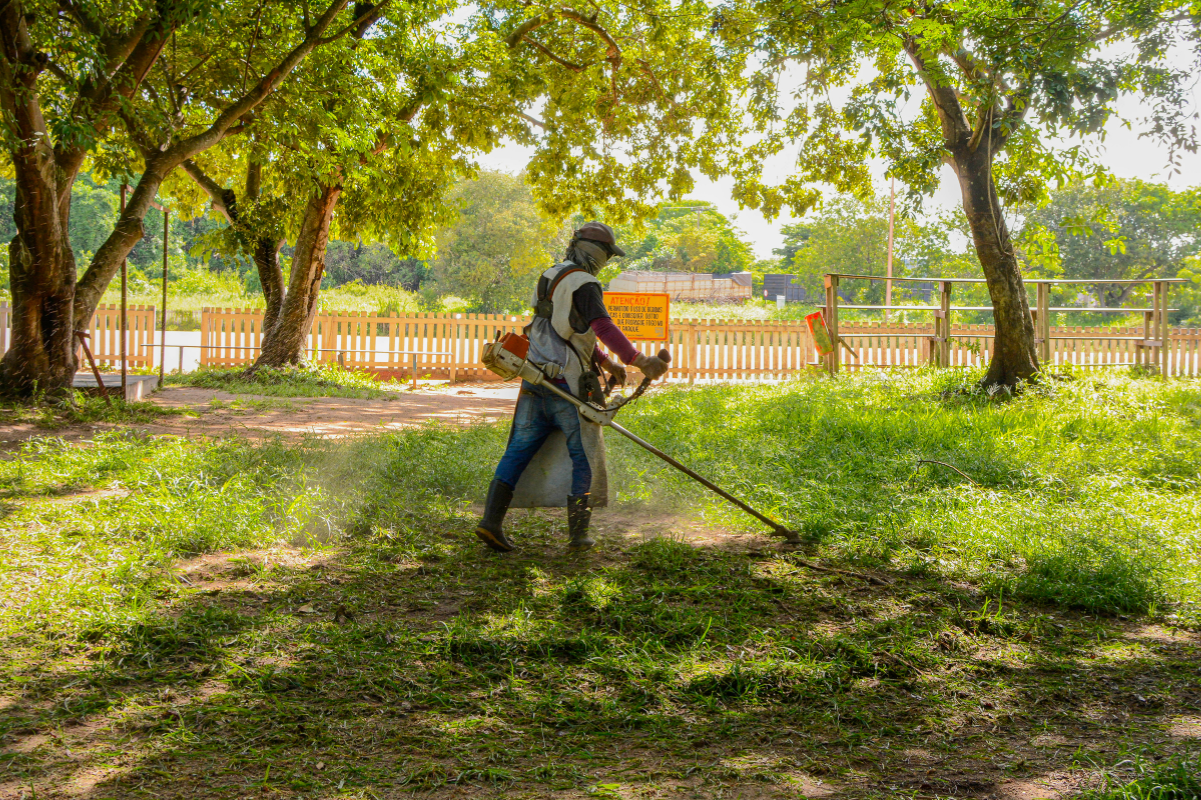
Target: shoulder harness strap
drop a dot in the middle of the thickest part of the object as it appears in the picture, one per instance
(545, 307)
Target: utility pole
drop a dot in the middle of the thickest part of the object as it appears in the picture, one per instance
(892, 208)
(124, 319)
(162, 333)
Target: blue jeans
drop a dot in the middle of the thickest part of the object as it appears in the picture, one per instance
(539, 412)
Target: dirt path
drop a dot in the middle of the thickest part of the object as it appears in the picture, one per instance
(213, 413)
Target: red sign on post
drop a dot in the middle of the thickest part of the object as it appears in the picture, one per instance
(820, 333)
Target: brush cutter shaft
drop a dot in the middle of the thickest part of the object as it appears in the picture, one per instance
(592, 414)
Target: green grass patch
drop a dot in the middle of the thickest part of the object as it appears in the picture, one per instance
(315, 380)
(1177, 778)
(317, 617)
(82, 408)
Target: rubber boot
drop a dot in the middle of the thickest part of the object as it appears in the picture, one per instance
(500, 494)
(579, 515)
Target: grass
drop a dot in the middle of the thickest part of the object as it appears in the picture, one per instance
(315, 619)
(84, 408)
(315, 380)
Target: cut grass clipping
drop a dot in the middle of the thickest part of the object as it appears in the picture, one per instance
(188, 619)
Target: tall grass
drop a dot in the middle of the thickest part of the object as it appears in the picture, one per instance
(382, 649)
(1086, 492)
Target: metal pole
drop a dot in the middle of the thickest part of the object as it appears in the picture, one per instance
(124, 320)
(162, 352)
(892, 207)
(83, 337)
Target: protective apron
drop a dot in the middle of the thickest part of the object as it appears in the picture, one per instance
(562, 352)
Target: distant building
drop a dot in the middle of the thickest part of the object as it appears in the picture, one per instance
(729, 287)
(775, 285)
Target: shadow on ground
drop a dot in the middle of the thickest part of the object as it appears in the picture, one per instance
(672, 661)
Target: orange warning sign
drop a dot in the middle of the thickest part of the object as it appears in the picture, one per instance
(642, 316)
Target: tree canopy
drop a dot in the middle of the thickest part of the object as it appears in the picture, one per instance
(1119, 230)
(996, 90)
(492, 254)
(687, 236)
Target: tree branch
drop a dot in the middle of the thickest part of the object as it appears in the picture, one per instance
(59, 72)
(360, 25)
(211, 187)
(560, 61)
(532, 120)
(614, 54)
(955, 128)
(515, 38)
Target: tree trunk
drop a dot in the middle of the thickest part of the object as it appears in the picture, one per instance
(1014, 356)
(127, 233)
(42, 268)
(284, 343)
(41, 355)
(266, 261)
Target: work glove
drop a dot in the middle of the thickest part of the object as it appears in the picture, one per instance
(651, 366)
(616, 370)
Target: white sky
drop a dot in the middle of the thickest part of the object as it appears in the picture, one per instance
(1123, 153)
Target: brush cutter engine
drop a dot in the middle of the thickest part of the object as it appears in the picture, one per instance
(508, 357)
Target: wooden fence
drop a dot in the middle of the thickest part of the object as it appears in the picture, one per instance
(875, 344)
(105, 343)
(700, 349)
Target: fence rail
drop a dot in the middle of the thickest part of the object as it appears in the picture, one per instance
(700, 349)
(1154, 346)
(105, 329)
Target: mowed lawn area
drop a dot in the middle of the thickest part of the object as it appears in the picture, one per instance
(992, 599)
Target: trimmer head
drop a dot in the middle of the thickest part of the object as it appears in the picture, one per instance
(790, 536)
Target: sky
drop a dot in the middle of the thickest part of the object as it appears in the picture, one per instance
(1123, 152)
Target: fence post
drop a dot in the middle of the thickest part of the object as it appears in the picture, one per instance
(832, 360)
(942, 324)
(1160, 292)
(690, 353)
(1042, 322)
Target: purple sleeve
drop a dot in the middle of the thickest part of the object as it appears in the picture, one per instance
(612, 338)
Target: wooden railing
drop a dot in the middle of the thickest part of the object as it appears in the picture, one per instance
(875, 344)
(105, 329)
(1153, 345)
(706, 349)
(700, 349)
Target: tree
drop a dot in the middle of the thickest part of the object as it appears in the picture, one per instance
(689, 236)
(849, 235)
(1001, 83)
(76, 77)
(1119, 230)
(500, 243)
(441, 91)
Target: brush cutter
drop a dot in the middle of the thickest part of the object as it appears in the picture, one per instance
(507, 357)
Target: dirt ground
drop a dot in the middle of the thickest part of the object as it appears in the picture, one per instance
(217, 414)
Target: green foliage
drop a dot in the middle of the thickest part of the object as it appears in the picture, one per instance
(313, 380)
(494, 252)
(1012, 83)
(688, 236)
(1118, 230)
(374, 264)
(850, 236)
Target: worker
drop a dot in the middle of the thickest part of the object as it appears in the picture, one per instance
(569, 318)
